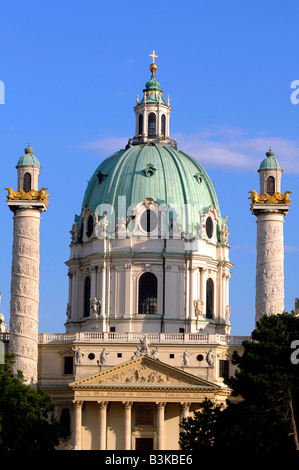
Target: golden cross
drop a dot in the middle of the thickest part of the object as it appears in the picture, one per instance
(154, 56)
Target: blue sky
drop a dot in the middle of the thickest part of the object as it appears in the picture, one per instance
(71, 72)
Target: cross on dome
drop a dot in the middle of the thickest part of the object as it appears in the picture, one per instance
(153, 56)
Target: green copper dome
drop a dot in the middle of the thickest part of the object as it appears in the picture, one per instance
(270, 163)
(28, 159)
(156, 171)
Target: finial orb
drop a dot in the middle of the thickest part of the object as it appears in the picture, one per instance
(270, 153)
(28, 149)
(153, 68)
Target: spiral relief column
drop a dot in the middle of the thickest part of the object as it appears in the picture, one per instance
(24, 305)
(270, 208)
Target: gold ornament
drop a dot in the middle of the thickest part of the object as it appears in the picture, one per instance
(31, 195)
(276, 198)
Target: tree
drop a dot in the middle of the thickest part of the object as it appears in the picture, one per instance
(267, 384)
(200, 430)
(26, 414)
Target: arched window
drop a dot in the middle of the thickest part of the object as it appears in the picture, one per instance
(140, 131)
(210, 299)
(163, 125)
(27, 182)
(270, 185)
(151, 125)
(147, 294)
(86, 305)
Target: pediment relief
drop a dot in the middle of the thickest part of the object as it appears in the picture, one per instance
(144, 371)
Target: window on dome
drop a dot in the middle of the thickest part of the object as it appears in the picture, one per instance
(209, 227)
(140, 131)
(270, 185)
(27, 182)
(210, 299)
(163, 125)
(149, 221)
(151, 125)
(89, 226)
(86, 305)
(147, 294)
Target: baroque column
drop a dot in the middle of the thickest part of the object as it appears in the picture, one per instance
(270, 208)
(27, 204)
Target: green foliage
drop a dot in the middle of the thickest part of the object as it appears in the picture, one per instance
(26, 414)
(267, 386)
(200, 430)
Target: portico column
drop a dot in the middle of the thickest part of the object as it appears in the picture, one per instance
(77, 405)
(127, 424)
(103, 424)
(160, 425)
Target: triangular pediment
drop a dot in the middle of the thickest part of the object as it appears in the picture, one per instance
(144, 371)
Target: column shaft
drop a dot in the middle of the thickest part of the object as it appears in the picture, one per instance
(127, 424)
(160, 426)
(77, 423)
(103, 424)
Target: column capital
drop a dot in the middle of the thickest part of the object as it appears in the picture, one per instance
(103, 404)
(127, 404)
(185, 406)
(77, 404)
(161, 405)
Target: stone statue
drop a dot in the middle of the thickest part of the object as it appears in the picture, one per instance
(95, 305)
(78, 356)
(210, 358)
(185, 357)
(103, 356)
(144, 350)
(68, 310)
(198, 307)
(121, 224)
(75, 232)
(137, 353)
(227, 313)
(155, 353)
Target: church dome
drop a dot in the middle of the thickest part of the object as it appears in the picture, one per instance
(154, 170)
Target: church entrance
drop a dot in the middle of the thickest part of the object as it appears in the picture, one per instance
(144, 443)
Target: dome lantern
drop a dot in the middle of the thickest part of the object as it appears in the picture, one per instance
(152, 112)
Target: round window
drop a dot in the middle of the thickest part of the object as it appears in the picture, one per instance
(149, 221)
(91, 356)
(200, 357)
(209, 227)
